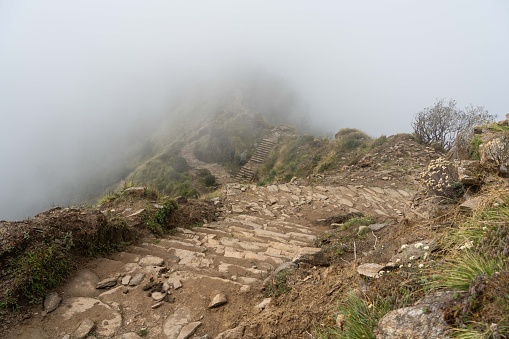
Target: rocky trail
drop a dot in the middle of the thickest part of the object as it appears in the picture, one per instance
(203, 281)
(207, 281)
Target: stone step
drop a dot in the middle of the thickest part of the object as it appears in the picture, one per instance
(171, 243)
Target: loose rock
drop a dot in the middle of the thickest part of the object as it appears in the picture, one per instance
(106, 283)
(137, 279)
(263, 304)
(84, 328)
(369, 270)
(188, 330)
(158, 296)
(51, 302)
(218, 300)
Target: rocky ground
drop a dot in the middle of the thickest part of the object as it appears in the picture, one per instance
(257, 266)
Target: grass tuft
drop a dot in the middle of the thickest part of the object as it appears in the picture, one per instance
(359, 318)
(461, 272)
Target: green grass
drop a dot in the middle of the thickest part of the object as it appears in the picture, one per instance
(474, 147)
(157, 221)
(40, 269)
(461, 272)
(360, 318)
(107, 198)
(278, 285)
(359, 221)
(498, 128)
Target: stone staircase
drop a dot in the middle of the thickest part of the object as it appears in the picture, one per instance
(248, 171)
(182, 284)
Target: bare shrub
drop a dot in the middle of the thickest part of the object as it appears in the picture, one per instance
(440, 124)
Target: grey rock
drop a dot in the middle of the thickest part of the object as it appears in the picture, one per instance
(85, 327)
(137, 279)
(284, 266)
(159, 304)
(175, 281)
(470, 205)
(369, 270)
(51, 302)
(151, 260)
(424, 320)
(312, 256)
(233, 333)
(376, 227)
(217, 300)
(106, 283)
(188, 330)
(158, 296)
(495, 152)
(469, 172)
(126, 279)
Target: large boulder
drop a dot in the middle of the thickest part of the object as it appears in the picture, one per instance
(495, 152)
(424, 320)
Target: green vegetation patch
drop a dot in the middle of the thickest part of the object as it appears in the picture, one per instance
(356, 318)
(295, 156)
(479, 268)
(277, 284)
(158, 222)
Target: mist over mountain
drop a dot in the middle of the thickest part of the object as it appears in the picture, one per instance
(90, 90)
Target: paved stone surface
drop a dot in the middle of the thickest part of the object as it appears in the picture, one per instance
(165, 284)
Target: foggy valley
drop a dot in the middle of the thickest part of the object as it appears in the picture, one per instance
(90, 90)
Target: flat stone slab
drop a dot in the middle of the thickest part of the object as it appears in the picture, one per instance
(151, 260)
(82, 284)
(107, 320)
(175, 322)
(85, 327)
(188, 330)
(369, 270)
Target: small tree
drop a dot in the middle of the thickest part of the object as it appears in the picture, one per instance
(441, 123)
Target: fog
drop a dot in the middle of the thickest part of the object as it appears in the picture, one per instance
(83, 81)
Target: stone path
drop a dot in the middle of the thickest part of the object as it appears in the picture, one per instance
(183, 283)
(222, 176)
(248, 171)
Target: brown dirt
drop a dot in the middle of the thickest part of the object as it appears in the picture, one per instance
(314, 290)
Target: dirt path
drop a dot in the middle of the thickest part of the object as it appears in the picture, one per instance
(223, 262)
(222, 176)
